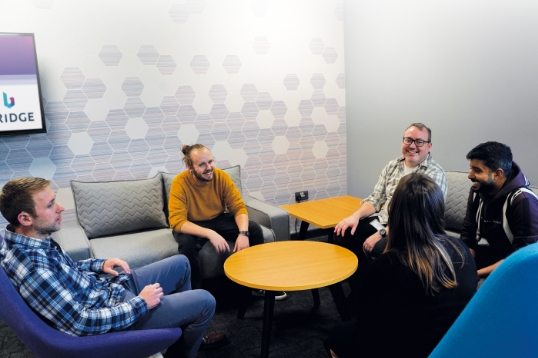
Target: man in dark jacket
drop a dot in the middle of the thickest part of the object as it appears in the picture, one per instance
(501, 210)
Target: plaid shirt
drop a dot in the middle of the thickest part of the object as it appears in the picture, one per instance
(390, 177)
(68, 294)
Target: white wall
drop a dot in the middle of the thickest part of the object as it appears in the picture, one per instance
(467, 69)
(127, 83)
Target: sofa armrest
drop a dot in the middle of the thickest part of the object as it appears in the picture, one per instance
(73, 240)
(270, 216)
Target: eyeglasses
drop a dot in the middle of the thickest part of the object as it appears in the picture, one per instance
(418, 142)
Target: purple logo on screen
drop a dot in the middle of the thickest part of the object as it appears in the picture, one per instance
(11, 102)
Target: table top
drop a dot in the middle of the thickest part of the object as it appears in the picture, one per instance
(324, 213)
(290, 265)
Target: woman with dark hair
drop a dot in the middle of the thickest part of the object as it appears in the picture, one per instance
(417, 288)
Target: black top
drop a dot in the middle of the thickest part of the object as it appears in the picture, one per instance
(396, 316)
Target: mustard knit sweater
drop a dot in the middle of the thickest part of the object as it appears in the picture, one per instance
(194, 201)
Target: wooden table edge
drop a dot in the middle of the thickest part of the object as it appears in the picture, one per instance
(295, 287)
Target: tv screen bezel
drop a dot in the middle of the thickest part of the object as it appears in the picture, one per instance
(43, 128)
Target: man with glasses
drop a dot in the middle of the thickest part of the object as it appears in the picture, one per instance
(365, 231)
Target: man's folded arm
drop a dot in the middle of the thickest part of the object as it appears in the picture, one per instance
(54, 301)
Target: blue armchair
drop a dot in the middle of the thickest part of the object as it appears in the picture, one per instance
(45, 341)
(501, 320)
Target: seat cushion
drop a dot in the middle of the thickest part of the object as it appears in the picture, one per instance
(137, 249)
(116, 207)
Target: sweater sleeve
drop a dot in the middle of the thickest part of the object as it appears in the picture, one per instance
(232, 196)
(177, 206)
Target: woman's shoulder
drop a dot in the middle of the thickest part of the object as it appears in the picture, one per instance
(453, 244)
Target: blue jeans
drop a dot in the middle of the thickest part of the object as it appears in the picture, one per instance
(192, 310)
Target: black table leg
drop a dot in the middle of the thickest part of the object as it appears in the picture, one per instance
(268, 309)
(340, 300)
(315, 296)
(302, 230)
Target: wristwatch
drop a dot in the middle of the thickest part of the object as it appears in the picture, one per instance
(383, 233)
(244, 233)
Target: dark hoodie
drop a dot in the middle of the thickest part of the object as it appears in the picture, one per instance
(521, 214)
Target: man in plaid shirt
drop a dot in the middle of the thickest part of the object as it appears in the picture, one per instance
(365, 231)
(89, 297)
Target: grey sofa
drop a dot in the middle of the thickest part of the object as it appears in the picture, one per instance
(129, 219)
(456, 201)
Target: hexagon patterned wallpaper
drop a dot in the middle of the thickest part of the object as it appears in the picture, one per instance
(125, 84)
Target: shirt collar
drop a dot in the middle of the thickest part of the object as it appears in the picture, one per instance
(27, 241)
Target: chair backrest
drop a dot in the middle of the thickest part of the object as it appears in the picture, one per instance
(45, 341)
(456, 200)
(501, 320)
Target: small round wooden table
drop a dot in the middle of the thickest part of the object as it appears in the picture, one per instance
(292, 266)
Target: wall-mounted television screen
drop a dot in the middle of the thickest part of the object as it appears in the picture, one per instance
(21, 108)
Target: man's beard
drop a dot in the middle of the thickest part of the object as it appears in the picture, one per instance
(201, 178)
(486, 187)
(47, 230)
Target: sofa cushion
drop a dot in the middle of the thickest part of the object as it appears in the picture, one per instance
(117, 207)
(167, 184)
(456, 200)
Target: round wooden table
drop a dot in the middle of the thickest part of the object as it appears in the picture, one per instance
(292, 266)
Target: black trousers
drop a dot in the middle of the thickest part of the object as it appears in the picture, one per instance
(225, 226)
(354, 243)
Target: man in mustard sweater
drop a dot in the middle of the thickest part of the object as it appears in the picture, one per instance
(199, 197)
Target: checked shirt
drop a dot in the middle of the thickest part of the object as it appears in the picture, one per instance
(68, 294)
(390, 177)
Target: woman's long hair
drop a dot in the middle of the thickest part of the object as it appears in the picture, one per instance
(416, 222)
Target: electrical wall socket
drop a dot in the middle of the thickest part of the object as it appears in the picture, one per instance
(301, 196)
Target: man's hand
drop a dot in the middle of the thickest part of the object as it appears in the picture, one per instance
(152, 295)
(241, 243)
(218, 241)
(370, 242)
(108, 266)
(349, 222)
